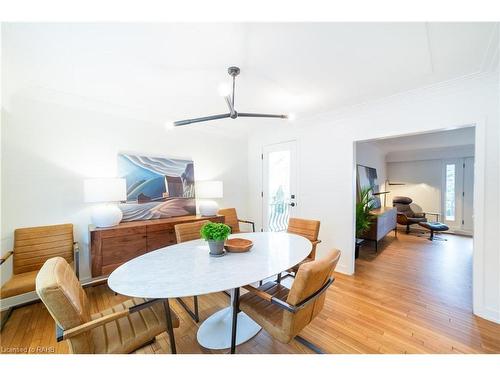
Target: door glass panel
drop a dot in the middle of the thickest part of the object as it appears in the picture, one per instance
(278, 210)
(450, 192)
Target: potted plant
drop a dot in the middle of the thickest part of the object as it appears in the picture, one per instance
(363, 215)
(215, 234)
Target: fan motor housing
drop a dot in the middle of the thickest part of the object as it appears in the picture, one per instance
(233, 71)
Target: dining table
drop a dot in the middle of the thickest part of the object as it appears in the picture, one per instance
(186, 269)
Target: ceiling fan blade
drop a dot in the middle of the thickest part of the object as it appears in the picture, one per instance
(260, 115)
(201, 119)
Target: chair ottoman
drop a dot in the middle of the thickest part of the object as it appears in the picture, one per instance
(434, 226)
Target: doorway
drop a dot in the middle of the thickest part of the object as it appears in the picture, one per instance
(279, 190)
(431, 174)
(458, 194)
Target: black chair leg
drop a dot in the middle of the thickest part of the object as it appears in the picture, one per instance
(309, 345)
(194, 315)
(407, 228)
(170, 326)
(278, 278)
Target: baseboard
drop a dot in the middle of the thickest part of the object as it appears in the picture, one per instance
(341, 268)
(489, 314)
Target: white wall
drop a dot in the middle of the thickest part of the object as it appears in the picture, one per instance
(48, 149)
(423, 183)
(370, 155)
(421, 171)
(327, 171)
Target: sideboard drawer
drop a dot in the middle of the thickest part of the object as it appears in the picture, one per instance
(122, 249)
(159, 239)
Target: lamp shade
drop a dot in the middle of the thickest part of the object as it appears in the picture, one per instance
(104, 190)
(209, 189)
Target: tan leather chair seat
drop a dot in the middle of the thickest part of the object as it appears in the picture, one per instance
(131, 332)
(19, 284)
(266, 314)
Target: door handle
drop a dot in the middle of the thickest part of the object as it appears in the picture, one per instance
(292, 204)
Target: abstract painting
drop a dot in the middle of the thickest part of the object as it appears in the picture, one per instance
(157, 187)
(367, 177)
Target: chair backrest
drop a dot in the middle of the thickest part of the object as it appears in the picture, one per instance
(189, 231)
(402, 205)
(308, 280)
(65, 299)
(33, 246)
(231, 219)
(306, 228)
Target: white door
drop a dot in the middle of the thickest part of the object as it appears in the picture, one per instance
(468, 196)
(279, 190)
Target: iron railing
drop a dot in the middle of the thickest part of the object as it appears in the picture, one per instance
(279, 213)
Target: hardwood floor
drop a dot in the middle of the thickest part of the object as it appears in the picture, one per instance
(414, 296)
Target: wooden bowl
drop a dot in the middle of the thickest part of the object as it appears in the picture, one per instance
(238, 245)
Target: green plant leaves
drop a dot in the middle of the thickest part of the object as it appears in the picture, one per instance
(363, 208)
(215, 231)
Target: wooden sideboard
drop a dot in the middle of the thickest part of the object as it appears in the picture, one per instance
(111, 247)
(384, 220)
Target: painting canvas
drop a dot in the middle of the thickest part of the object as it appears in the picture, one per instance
(367, 177)
(157, 187)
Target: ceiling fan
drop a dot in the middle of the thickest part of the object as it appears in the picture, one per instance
(233, 72)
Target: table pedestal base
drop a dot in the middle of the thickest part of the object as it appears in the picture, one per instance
(215, 332)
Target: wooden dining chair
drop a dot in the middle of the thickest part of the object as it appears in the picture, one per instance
(188, 232)
(231, 219)
(308, 229)
(123, 328)
(284, 312)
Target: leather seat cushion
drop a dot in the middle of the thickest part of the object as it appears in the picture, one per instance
(414, 220)
(19, 284)
(435, 226)
(131, 332)
(267, 315)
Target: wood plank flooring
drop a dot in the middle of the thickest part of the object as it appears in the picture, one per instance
(414, 296)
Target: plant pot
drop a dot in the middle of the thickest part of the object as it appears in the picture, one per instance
(216, 248)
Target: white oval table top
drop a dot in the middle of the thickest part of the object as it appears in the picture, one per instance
(186, 269)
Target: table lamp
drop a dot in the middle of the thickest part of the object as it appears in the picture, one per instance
(108, 191)
(208, 190)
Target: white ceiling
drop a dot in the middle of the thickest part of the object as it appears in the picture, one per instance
(166, 72)
(447, 138)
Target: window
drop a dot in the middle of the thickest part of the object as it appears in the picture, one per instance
(450, 192)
